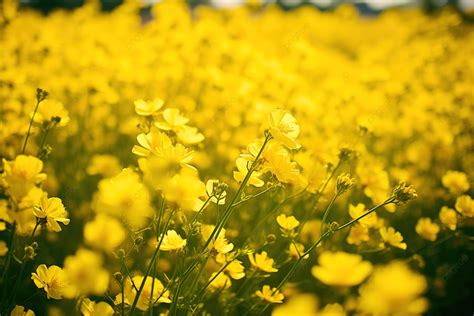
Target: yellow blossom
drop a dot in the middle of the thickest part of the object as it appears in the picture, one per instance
(269, 294)
(21, 311)
(358, 234)
(427, 229)
(3, 248)
(173, 120)
(50, 110)
(91, 308)
(284, 128)
(172, 241)
(242, 170)
(465, 205)
(448, 217)
(52, 211)
(393, 290)
(52, 280)
(153, 290)
(341, 269)
(221, 281)
(287, 223)
(359, 210)
(235, 269)
(392, 237)
(262, 262)
(147, 108)
(456, 182)
(104, 232)
(22, 174)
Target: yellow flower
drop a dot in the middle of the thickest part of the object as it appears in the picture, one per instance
(50, 110)
(392, 237)
(173, 120)
(22, 174)
(284, 128)
(21, 311)
(189, 135)
(104, 165)
(359, 210)
(172, 241)
(344, 182)
(52, 280)
(341, 269)
(52, 211)
(222, 281)
(448, 217)
(3, 248)
(86, 274)
(91, 308)
(262, 261)
(456, 182)
(287, 223)
(242, 170)
(359, 233)
(125, 197)
(393, 290)
(269, 294)
(427, 229)
(154, 142)
(299, 304)
(296, 250)
(332, 310)
(104, 232)
(186, 190)
(235, 269)
(147, 108)
(146, 295)
(465, 205)
(282, 167)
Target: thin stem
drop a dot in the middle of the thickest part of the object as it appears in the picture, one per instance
(45, 136)
(155, 255)
(29, 127)
(326, 213)
(388, 201)
(201, 292)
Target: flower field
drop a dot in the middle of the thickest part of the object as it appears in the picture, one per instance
(170, 160)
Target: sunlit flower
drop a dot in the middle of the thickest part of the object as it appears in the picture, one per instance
(172, 241)
(22, 174)
(427, 229)
(147, 108)
(269, 294)
(262, 262)
(287, 223)
(215, 191)
(456, 182)
(341, 269)
(358, 234)
(52, 280)
(284, 128)
(104, 232)
(359, 210)
(52, 211)
(393, 290)
(392, 237)
(465, 205)
(172, 120)
(221, 281)
(21, 311)
(91, 308)
(242, 170)
(448, 217)
(153, 290)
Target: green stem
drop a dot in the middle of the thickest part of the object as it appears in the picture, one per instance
(155, 255)
(326, 213)
(29, 127)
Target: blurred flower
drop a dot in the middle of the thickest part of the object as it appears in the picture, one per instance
(427, 229)
(343, 183)
(393, 290)
(448, 217)
(465, 205)
(147, 108)
(21, 311)
(269, 294)
(91, 308)
(104, 232)
(173, 120)
(21, 175)
(456, 182)
(341, 269)
(220, 281)
(158, 293)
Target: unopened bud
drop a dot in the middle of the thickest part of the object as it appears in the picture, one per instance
(404, 193)
(344, 182)
(271, 238)
(118, 276)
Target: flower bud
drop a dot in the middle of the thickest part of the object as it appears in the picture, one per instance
(404, 193)
(344, 182)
